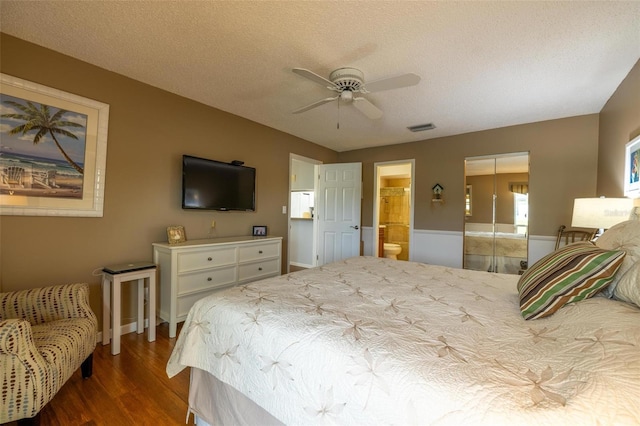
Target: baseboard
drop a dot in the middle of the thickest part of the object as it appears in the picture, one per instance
(126, 328)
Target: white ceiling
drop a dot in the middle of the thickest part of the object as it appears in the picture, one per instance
(483, 64)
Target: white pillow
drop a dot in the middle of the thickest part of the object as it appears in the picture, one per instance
(623, 236)
(628, 288)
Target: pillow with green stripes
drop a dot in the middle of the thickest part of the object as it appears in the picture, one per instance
(569, 274)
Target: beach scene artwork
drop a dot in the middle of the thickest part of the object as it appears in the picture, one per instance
(42, 149)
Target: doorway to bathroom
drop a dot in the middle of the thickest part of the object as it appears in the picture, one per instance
(393, 209)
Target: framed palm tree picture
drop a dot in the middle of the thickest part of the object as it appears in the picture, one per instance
(53, 152)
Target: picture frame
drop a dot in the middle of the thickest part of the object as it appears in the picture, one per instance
(51, 173)
(260, 231)
(632, 168)
(176, 234)
(468, 201)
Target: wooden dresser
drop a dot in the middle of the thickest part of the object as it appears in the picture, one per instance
(194, 269)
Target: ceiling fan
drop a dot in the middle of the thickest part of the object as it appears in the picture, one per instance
(347, 82)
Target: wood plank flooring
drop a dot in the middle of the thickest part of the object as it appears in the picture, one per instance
(131, 388)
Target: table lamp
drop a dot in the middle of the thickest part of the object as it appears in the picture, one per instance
(600, 213)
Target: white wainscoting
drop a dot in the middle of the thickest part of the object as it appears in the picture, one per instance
(445, 247)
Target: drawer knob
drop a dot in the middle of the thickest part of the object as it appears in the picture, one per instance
(260, 251)
(209, 259)
(209, 278)
(260, 269)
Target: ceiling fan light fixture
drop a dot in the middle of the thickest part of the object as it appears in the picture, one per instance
(422, 127)
(348, 82)
(346, 96)
(350, 79)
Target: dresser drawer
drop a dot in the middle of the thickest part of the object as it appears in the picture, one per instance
(197, 281)
(256, 270)
(200, 259)
(194, 269)
(258, 251)
(184, 303)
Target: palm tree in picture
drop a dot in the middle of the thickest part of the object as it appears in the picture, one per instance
(40, 120)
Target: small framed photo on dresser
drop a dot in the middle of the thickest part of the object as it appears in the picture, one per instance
(260, 231)
(175, 234)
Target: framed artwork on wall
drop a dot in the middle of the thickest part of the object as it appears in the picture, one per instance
(632, 169)
(53, 152)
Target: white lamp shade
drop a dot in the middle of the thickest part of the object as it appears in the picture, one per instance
(600, 213)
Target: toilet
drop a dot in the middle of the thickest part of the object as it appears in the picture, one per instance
(391, 251)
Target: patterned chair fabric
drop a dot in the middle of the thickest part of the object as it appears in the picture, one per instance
(45, 335)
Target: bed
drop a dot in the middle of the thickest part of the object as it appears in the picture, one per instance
(484, 242)
(377, 341)
(508, 249)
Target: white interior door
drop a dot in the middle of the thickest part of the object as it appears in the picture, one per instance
(338, 203)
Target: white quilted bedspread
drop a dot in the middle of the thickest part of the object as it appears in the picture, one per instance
(376, 341)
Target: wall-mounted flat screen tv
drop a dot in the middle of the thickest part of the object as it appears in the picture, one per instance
(214, 185)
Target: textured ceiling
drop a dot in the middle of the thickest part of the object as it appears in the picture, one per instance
(483, 64)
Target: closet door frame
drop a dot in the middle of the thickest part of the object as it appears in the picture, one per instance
(512, 163)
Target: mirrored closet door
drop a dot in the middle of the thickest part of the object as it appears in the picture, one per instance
(497, 213)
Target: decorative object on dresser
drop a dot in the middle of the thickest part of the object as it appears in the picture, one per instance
(176, 234)
(46, 334)
(193, 270)
(259, 231)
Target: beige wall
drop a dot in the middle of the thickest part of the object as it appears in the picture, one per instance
(563, 163)
(619, 123)
(149, 130)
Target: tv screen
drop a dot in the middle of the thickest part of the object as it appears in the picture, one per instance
(214, 185)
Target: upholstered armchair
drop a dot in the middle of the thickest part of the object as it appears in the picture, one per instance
(45, 335)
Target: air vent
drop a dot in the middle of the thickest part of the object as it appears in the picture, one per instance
(422, 127)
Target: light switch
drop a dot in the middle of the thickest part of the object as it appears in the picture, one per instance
(284, 209)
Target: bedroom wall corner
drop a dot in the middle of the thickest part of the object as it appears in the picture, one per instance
(554, 181)
(619, 123)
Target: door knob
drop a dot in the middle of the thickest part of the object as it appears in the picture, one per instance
(355, 227)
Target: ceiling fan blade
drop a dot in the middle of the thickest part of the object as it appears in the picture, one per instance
(315, 104)
(396, 82)
(314, 77)
(367, 108)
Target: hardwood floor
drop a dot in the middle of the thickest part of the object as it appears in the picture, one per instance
(131, 388)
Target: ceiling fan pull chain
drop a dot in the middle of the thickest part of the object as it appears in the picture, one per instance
(338, 125)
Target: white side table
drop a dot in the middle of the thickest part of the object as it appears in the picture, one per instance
(112, 278)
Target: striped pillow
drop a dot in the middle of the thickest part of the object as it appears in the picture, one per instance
(570, 274)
